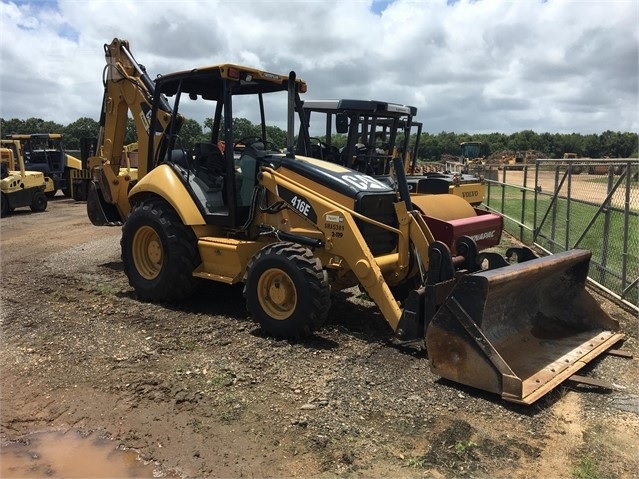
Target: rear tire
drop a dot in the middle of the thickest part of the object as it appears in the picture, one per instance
(159, 252)
(80, 191)
(67, 181)
(286, 290)
(4, 205)
(39, 202)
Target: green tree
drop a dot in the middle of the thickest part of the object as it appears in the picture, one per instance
(28, 126)
(81, 128)
(590, 146)
(191, 133)
(496, 141)
(431, 146)
(628, 145)
(208, 123)
(131, 135)
(277, 136)
(524, 140)
(10, 127)
(448, 143)
(243, 128)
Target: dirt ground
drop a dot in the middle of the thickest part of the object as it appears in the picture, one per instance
(196, 390)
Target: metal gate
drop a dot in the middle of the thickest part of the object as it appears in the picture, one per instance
(592, 204)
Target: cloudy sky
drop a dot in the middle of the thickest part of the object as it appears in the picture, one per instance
(468, 66)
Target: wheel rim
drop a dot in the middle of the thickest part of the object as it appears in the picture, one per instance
(147, 252)
(277, 294)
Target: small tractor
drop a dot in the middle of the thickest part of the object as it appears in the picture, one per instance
(292, 229)
(18, 187)
(575, 169)
(375, 132)
(45, 152)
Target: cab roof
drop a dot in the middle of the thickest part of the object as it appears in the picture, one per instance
(367, 107)
(208, 81)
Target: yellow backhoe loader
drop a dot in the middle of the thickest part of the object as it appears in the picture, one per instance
(292, 228)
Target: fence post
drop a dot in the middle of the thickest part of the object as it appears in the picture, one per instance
(522, 219)
(553, 223)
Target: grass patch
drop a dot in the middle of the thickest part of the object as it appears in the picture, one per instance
(464, 447)
(587, 468)
(416, 462)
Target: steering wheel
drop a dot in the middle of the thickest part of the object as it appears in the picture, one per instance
(319, 142)
(246, 141)
(328, 153)
(323, 147)
(249, 140)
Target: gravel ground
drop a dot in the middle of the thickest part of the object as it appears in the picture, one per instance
(198, 391)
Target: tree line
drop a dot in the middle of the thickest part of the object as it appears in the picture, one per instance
(431, 146)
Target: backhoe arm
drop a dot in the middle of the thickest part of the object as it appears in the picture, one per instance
(127, 88)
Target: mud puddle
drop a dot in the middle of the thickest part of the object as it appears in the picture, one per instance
(69, 454)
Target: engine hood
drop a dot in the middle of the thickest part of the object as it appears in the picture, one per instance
(338, 178)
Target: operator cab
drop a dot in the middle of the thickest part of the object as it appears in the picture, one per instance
(358, 134)
(219, 167)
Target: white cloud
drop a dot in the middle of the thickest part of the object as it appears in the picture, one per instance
(556, 66)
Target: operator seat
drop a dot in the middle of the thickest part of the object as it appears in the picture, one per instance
(209, 157)
(248, 165)
(209, 164)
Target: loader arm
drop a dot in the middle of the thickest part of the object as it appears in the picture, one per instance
(343, 239)
(127, 88)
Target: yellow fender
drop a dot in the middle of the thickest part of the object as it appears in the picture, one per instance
(445, 207)
(163, 181)
(49, 186)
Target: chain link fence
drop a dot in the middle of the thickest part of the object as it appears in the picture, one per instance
(591, 204)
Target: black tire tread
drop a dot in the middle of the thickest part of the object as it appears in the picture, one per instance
(316, 282)
(182, 256)
(39, 202)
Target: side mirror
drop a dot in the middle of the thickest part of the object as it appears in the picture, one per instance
(341, 123)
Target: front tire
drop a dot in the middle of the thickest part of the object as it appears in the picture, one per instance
(286, 290)
(159, 252)
(39, 202)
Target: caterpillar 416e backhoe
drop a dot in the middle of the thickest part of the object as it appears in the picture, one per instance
(291, 228)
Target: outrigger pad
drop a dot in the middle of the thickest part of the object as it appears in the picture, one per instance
(521, 330)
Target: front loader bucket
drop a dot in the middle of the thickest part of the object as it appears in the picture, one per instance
(520, 330)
